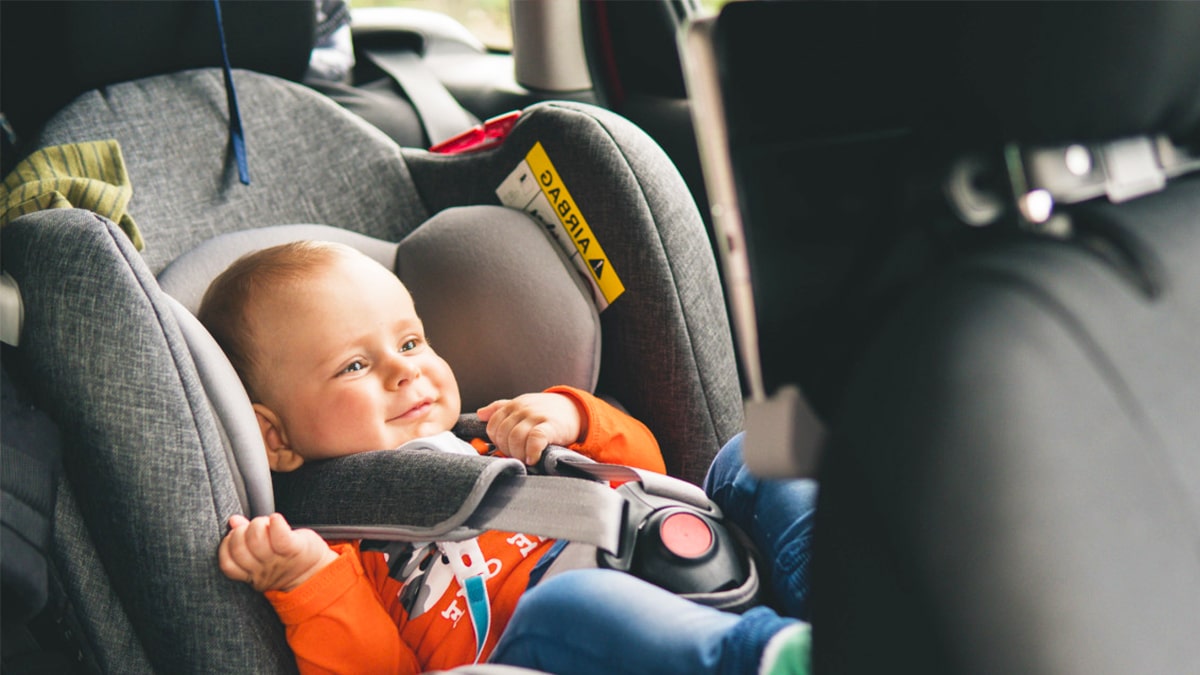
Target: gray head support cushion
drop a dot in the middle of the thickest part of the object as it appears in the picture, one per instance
(498, 298)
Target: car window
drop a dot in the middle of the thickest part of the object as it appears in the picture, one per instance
(488, 20)
(713, 6)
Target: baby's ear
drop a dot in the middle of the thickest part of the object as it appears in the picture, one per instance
(280, 456)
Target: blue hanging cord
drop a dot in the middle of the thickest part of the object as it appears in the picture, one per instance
(235, 115)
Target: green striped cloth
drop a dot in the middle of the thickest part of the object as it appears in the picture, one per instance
(87, 175)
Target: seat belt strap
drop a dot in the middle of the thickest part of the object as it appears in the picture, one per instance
(561, 461)
(441, 115)
(470, 567)
(555, 507)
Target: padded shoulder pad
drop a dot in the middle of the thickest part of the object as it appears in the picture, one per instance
(423, 494)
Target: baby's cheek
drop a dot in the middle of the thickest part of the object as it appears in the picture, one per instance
(340, 428)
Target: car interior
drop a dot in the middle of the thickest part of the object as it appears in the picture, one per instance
(936, 255)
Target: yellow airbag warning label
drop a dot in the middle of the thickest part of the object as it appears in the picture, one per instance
(536, 188)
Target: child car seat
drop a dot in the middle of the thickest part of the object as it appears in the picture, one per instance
(1011, 482)
(147, 485)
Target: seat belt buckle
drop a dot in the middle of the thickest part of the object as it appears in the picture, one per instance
(479, 137)
(677, 545)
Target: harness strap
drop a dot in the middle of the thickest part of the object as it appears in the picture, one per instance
(562, 461)
(554, 507)
(470, 568)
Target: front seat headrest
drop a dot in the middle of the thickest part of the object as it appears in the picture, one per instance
(47, 50)
(1046, 72)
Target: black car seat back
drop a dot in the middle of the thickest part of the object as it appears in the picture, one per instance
(1011, 480)
(148, 484)
(1000, 206)
(142, 39)
(811, 174)
(390, 84)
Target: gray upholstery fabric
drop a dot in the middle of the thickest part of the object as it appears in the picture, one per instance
(110, 640)
(105, 358)
(668, 353)
(240, 433)
(500, 303)
(310, 162)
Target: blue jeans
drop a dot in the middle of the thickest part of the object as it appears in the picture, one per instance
(777, 514)
(604, 621)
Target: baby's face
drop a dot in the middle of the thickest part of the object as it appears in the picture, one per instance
(344, 363)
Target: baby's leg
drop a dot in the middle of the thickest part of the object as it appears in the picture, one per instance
(777, 514)
(604, 622)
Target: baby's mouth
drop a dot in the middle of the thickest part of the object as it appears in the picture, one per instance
(416, 411)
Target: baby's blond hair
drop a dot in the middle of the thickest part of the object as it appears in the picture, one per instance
(230, 297)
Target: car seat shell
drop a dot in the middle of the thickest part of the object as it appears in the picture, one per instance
(148, 486)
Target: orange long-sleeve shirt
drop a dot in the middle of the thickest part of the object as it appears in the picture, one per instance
(357, 616)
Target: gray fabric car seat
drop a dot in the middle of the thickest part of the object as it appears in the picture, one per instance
(147, 485)
(1012, 480)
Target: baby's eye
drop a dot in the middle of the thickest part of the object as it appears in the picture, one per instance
(354, 367)
(408, 345)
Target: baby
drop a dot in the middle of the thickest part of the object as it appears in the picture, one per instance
(335, 360)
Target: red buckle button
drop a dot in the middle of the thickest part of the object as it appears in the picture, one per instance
(686, 535)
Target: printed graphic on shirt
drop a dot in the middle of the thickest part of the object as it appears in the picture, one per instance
(414, 567)
(536, 188)
(427, 577)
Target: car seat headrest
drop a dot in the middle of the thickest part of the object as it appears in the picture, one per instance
(499, 300)
(992, 72)
(140, 39)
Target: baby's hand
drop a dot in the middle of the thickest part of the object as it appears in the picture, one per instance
(522, 427)
(269, 555)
